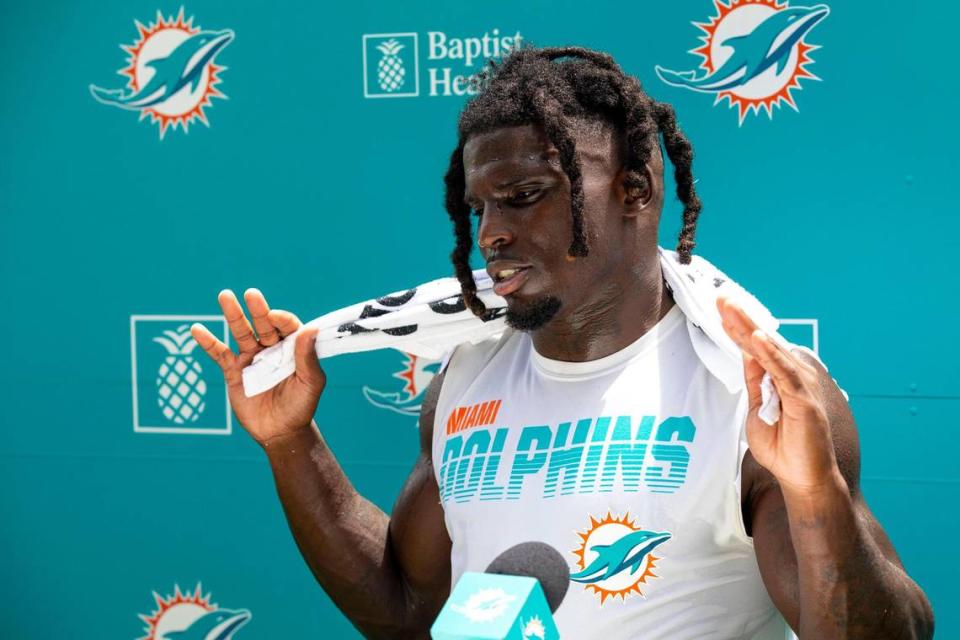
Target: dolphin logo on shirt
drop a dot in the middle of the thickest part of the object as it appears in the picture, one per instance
(628, 552)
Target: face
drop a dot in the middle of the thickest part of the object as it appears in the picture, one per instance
(515, 182)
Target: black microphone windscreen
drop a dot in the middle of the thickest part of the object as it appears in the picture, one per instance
(536, 560)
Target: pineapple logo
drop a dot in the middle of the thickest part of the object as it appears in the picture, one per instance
(180, 387)
(390, 61)
(170, 392)
(390, 69)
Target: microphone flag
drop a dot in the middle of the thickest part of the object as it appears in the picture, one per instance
(486, 606)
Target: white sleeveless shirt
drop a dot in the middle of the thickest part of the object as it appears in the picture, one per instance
(628, 465)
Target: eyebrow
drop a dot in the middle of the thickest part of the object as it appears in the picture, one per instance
(468, 198)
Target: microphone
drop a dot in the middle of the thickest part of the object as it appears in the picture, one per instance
(514, 599)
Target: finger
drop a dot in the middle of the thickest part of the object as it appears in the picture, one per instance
(781, 365)
(753, 375)
(305, 355)
(237, 321)
(787, 349)
(285, 322)
(736, 323)
(257, 304)
(214, 348)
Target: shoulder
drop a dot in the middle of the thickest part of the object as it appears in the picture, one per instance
(471, 355)
(463, 365)
(428, 413)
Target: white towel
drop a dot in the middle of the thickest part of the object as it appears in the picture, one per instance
(431, 319)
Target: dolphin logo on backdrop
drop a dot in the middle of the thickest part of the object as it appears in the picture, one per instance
(216, 625)
(615, 557)
(753, 55)
(171, 72)
(191, 616)
(416, 374)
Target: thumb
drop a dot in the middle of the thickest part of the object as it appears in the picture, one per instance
(308, 368)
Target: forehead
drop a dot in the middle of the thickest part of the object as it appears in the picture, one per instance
(526, 148)
(525, 145)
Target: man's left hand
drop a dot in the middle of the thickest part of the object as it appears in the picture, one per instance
(798, 449)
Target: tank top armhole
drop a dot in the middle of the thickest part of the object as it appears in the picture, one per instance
(742, 447)
(444, 390)
(461, 365)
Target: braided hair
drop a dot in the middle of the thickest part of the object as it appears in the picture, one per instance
(533, 86)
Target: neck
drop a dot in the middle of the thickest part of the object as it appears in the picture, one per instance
(617, 314)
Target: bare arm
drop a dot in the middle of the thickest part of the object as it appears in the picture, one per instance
(825, 560)
(389, 576)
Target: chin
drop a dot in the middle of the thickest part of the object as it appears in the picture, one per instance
(530, 315)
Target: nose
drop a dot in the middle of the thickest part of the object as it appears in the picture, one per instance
(494, 229)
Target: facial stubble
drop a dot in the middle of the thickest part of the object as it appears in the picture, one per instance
(530, 316)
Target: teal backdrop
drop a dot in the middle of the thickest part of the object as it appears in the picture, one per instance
(841, 212)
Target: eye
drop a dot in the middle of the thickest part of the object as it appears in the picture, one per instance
(477, 211)
(526, 196)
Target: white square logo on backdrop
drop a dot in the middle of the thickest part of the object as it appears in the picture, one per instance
(391, 65)
(176, 387)
(801, 331)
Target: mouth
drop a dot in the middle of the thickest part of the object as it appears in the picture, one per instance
(508, 280)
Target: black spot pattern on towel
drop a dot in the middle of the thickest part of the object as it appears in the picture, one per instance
(397, 300)
(373, 312)
(352, 328)
(446, 307)
(401, 331)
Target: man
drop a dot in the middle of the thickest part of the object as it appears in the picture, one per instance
(559, 158)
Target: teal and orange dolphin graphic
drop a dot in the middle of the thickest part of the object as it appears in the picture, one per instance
(216, 625)
(416, 374)
(171, 72)
(182, 68)
(629, 552)
(753, 54)
(769, 44)
(189, 615)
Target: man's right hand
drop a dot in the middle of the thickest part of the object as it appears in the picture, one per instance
(389, 574)
(287, 407)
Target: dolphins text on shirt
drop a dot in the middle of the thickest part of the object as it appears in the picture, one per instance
(590, 457)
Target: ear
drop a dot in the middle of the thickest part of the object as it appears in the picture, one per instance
(635, 190)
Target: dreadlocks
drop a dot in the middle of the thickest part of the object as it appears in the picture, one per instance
(531, 87)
